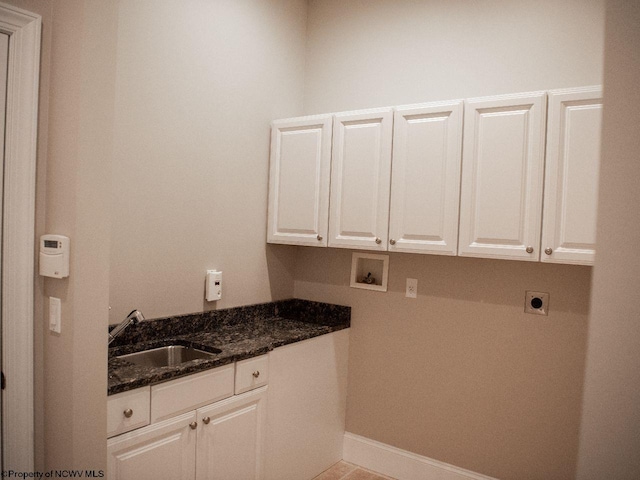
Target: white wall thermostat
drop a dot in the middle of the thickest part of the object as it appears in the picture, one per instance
(214, 285)
(54, 256)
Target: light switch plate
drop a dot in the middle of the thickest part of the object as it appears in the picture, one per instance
(55, 312)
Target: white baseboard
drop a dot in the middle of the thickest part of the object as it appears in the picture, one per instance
(401, 464)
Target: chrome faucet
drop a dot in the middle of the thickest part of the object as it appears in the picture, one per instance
(133, 318)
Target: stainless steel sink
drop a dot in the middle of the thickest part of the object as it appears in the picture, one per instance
(169, 356)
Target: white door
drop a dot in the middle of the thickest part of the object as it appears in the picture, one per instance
(231, 438)
(425, 179)
(4, 65)
(360, 179)
(502, 176)
(164, 450)
(299, 181)
(571, 176)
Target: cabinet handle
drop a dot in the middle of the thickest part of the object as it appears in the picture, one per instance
(529, 249)
(548, 251)
(392, 241)
(378, 241)
(128, 412)
(319, 237)
(193, 425)
(256, 374)
(206, 420)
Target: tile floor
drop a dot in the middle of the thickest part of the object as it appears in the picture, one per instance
(348, 471)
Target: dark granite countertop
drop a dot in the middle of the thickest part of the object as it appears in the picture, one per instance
(238, 333)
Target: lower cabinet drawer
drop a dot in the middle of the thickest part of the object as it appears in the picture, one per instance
(128, 410)
(252, 373)
(190, 392)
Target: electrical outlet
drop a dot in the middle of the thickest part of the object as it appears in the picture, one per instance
(536, 303)
(412, 288)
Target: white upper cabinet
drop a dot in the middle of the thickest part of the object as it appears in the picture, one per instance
(425, 185)
(571, 178)
(467, 177)
(360, 179)
(502, 176)
(299, 181)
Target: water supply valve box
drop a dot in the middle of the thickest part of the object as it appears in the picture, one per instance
(54, 256)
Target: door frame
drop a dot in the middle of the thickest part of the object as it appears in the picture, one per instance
(18, 238)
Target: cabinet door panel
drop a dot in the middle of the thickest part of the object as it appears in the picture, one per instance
(502, 175)
(230, 444)
(299, 181)
(163, 450)
(425, 185)
(360, 179)
(571, 179)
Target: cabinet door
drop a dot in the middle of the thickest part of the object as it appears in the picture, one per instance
(502, 176)
(571, 178)
(164, 450)
(299, 181)
(360, 179)
(231, 438)
(425, 185)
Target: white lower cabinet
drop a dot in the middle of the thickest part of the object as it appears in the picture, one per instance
(290, 429)
(231, 438)
(307, 405)
(222, 440)
(164, 450)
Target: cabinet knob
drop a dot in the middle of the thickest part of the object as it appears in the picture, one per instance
(319, 237)
(193, 425)
(529, 249)
(256, 374)
(548, 251)
(392, 241)
(206, 420)
(128, 413)
(378, 241)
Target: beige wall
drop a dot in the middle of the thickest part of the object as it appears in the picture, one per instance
(80, 129)
(507, 386)
(610, 442)
(154, 121)
(76, 97)
(198, 84)
(461, 374)
(371, 53)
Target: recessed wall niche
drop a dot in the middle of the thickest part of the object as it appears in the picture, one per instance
(369, 271)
